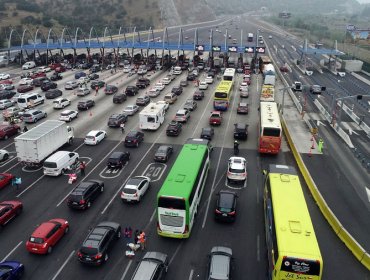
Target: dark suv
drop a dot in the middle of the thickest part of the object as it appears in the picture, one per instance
(46, 85)
(177, 90)
(37, 82)
(142, 83)
(131, 91)
(85, 104)
(174, 128)
(119, 98)
(154, 266)
(118, 159)
(134, 138)
(83, 195)
(240, 131)
(116, 120)
(98, 243)
(226, 206)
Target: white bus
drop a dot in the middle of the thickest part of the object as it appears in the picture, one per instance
(270, 131)
(229, 74)
(152, 116)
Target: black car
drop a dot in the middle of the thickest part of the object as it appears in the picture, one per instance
(116, 120)
(198, 95)
(85, 193)
(184, 83)
(98, 243)
(211, 73)
(134, 138)
(191, 77)
(119, 98)
(142, 83)
(85, 104)
(153, 266)
(37, 82)
(6, 94)
(177, 90)
(131, 91)
(53, 93)
(240, 131)
(174, 128)
(190, 105)
(110, 89)
(163, 153)
(56, 76)
(207, 133)
(93, 76)
(226, 206)
(46, 85)
(100, 84)
(118, 159)
(142, 100)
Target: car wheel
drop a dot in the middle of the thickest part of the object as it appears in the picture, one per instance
(66, 230)
(101, 189)
(50, 249)
(42, 102)
(45, 115)
(106, 257)
(89, 204)
(6, 137)
(5, 157)
(69, 120)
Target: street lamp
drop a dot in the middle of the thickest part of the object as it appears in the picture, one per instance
(358, 97)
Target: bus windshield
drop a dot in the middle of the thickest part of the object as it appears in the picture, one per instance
(270, 131)
(172, 203)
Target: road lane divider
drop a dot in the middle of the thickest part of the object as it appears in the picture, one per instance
(63, 265)
(12, 251)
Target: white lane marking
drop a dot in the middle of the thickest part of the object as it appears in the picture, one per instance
(152, 216)
(63, 265)
(11, 252)
(153, 170)
(368, 193)
(24, 169)
(191, 274)
(116, 172)
(219, 160)
(126, 270)
(9, 160)
(4, 148)
(30, 186)
(132, 172)
(10, 168)
(174, 254)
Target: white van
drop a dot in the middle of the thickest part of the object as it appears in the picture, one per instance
(177, 70)
(29, 65)
(30, 100)
(59, 162)
(170, 97)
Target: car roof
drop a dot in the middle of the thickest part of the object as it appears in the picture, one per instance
(43, 229)
(93, 132)
(243, 104)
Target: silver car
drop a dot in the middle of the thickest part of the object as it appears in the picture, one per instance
(131, 110)
(135, 188)
(71, 85)
(82, 91)
(32, 116)
(220, 263)
(5, 103)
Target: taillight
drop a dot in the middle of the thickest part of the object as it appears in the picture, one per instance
(94, 139)
(44, 245)
(79, 254)
(135, 194)
(186, 230)
(98, 256)
(82, 201)
(231, 213)
(218, 211)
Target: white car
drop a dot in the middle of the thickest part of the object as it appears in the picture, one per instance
(5, 103)
(82, 91)
(68, 115)
(130, 110)
(94, 137)
(43, 69)
(166, 105)
(135, 188)
(153, 92)
(61, 103)
(195, 72)
(127, 69)
(159, 86)
(4, 155)
(4, 76)
(166, 81)
(83, 80)
(237, 169)
(243, 86)
(71, 85)
(203, 85)
(209, 80)
(25, 81)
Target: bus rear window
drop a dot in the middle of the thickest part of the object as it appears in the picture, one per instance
(172, 203)
(220, 94)
(300, 266)
(274, 132)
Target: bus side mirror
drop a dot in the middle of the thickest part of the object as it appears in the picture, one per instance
(264, 172)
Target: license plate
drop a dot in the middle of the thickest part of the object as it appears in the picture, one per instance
(74, 203)
(35, 249)
(128, 199)
(88, 259)
(128, 141)
(224, 215)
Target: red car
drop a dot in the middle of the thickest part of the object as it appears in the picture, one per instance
(7, 130)
(6, 82)
(53, 66)
(284, 68)
(37, 75)
(5, 179)
(60, 69)
(46, 236)
(215, 118)
(9, 210)
(24, 88)
(247, 80)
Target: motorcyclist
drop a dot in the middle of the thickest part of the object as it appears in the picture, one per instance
(236, 147)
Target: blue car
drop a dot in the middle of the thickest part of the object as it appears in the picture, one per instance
(79, 75)
(11, 270)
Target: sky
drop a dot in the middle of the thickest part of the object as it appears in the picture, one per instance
(363, 1)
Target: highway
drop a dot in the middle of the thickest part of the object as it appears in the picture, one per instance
(44, 197)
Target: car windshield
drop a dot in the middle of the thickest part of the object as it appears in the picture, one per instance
(36, 240)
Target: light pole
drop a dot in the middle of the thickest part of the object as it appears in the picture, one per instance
(358, 97)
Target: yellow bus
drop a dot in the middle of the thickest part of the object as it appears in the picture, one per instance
(222, 95)
(293, 251)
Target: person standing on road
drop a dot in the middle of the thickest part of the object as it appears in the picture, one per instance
(122, 126)
(96, 90)
(82, 168)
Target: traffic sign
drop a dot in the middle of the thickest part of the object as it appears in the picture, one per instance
(216, 48)
(261, 50)
(199, 47)
(232, 49)
(249, 50)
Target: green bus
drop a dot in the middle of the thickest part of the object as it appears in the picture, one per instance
(179, 197)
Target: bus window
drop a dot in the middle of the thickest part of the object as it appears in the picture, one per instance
(171, 203)
(269, 131)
